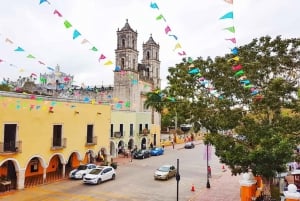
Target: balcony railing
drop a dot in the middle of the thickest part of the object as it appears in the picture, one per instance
(118, 134)
(92, 141)
(59, 144)
(144, 132)
(11, 147)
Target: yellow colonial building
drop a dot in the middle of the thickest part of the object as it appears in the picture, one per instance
(43, 137)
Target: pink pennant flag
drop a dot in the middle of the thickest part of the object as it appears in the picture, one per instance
(237, 67)
(182, 53)
(33, 74)
(57, 13)
(8, 41)
(229, 1)
(167, 29)
(233, 40)
(101, 57)
(41, 62)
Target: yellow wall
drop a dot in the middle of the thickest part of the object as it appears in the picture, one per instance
(135, 118)
(35, 126)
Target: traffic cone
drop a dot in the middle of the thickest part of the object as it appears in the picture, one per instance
(223, 168)
(193, 188)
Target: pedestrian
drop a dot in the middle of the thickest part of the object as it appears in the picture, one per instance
(151, 145)
(209, 171)
(173, 144)
(163, 145)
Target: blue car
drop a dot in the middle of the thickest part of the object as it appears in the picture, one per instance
(157, 151)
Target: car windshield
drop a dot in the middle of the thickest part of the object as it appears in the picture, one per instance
(164, 168)
(155, 149)
(82, 167)
(95, 171)
(140, 151)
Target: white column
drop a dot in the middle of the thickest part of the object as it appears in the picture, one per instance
(20, 179)
(291, 193)
(63, 170)
(44, 175)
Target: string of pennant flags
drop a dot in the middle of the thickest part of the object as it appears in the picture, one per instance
(193, 70)
(167, 30)
(237, 67)
(77, 34)
(21, 50)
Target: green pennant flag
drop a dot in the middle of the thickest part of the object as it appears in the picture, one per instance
(30, 56)
(160, 17)
(67, 24)
(239, 73)
(94, 49)
(231, 29)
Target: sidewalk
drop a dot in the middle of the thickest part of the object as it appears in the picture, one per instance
(223, 187)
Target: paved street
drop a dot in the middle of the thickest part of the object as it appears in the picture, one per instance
(135, 181)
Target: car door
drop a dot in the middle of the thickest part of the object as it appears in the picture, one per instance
(89, 168)
(106, 174)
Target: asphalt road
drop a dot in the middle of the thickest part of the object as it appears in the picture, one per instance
(134, 181)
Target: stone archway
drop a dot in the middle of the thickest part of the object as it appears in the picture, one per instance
(55, 169)
(34, 172)
(8, 176)
(121, 147)
(130, 144)
(73, 162)
(143, 143)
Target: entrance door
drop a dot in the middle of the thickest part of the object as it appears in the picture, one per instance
(10, 137)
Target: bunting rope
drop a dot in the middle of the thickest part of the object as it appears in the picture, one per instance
(237, 68)
(30, 56)
(77, 34)
(195, 71)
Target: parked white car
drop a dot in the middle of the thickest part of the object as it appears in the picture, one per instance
(100, 174)
(82, 170)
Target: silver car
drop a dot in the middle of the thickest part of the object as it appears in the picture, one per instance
(165, 172)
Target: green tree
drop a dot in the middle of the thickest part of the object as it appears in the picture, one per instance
(267, 122)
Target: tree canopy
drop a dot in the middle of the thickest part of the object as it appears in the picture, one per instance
(264, 125)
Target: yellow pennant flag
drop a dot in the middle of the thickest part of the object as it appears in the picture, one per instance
(109, 62)
(177, 46)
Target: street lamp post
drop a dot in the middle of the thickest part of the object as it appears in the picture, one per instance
(207, 183)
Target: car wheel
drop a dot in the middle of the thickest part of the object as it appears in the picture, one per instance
(99, 181)
(82, 176)
(113, 177)
(143, 157)
(167, 177)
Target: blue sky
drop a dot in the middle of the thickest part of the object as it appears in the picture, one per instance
(34, 27)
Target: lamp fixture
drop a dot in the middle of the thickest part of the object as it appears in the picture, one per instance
(76, 112)
(50, 111)
(99, 113)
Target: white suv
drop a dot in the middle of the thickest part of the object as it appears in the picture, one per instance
(82, 170)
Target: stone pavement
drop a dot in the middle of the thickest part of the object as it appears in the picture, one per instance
(223, 187)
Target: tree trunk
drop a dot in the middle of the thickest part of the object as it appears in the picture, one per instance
(266, 186)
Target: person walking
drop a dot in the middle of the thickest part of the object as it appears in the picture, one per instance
(209, 171)
(173, 144)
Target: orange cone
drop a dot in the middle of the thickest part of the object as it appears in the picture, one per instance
(193, 188)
